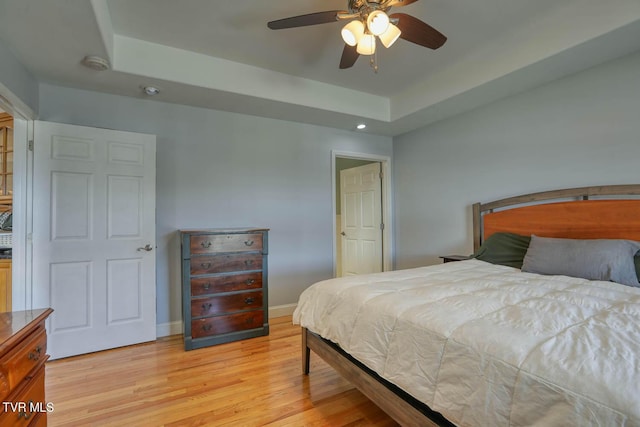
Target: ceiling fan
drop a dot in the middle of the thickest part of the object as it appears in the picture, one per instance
(369, 21)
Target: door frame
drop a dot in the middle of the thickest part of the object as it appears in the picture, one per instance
(387, 212)
(23, 117)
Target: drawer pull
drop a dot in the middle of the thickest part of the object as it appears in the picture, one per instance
(250, 281)
(248, 242)
(25, 415)
(207, 327)
(35, 355)
(205, 265)
(248, 262)
(249, 300)
(249, 321)
(206, 245)
(206, 286)
(206, 307)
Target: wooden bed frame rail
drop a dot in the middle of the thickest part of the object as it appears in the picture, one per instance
(399, 405)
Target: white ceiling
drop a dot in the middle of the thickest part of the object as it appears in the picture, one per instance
(220, 54)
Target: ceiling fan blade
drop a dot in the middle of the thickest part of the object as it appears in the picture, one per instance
(304, 20)
(397, 3)
(349, 56)
(418, 32)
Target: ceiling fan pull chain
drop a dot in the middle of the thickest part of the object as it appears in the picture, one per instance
(374, 60)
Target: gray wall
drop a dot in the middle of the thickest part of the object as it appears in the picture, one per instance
(577, 131)
(17, 79)
(218, 169)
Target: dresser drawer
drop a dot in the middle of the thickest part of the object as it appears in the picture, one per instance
(23, 359)
(225, 324)
(224, 285)
(225, 263)
(231, 283)
(225, 243)
(226, 303)
(33, 392)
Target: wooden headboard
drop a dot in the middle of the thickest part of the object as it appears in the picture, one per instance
(570, 213)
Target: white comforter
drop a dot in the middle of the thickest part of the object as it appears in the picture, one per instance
(487, 345)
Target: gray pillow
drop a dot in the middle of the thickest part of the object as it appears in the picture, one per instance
(599, 259)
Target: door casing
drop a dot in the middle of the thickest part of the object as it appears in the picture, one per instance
(23, 117)
(387, 220)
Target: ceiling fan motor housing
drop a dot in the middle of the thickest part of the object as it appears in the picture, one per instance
(365, 6)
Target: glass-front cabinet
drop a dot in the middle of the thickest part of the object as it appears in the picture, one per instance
(6, 157)
(6, 204)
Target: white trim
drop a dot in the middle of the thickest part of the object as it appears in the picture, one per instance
(14, 105)
(282, 310)
(23, 117)
(175, 328)
(168, 329)
(21, 252)
(387, 212)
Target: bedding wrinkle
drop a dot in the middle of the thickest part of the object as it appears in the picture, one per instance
(570, 369)
(488, 345)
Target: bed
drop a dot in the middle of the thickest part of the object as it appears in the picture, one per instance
(480, 342)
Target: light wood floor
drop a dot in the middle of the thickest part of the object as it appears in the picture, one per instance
(256, 382)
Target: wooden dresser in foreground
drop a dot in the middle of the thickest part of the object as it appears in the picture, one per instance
(224, 285)
(5, 285)
(23, 352)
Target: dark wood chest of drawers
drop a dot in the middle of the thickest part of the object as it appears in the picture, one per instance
(224, 285)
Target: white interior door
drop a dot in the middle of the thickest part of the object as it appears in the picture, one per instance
(94, 236)
(361, 217)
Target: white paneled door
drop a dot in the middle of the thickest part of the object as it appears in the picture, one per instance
(361, 216)
(94, 236)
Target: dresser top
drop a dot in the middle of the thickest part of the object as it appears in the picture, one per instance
(237, 230)
(14, 323)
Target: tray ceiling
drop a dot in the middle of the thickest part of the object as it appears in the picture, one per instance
(221, 55)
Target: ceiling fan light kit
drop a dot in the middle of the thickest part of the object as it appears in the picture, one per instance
(353, 32)
(369, 19)
(377, 22)
(390, 36)
(367, 45)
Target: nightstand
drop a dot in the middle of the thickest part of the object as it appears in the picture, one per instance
(452, 258)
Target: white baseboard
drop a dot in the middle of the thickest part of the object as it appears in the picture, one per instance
(175, 328)
(281, 310)
(170, 328)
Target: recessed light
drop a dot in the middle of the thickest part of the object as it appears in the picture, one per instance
(361, 126)
(151, 90)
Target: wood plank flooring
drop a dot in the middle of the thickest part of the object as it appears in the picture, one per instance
(256, 382)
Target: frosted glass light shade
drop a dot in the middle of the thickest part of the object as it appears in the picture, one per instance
(390, 36)
(377, 22)
(367, 45)
(353, 32)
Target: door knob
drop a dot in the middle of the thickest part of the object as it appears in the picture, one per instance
(343, 233)
(147, 248)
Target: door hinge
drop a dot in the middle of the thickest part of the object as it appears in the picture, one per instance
(381, 175)
(30, 145)
(382, 226)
